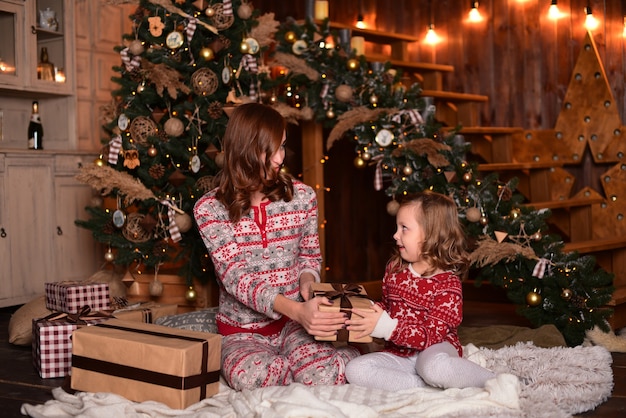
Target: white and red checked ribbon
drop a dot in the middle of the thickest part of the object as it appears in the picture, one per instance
(252, 93)
(130, 63)
(173, 228)
(228, 8)
(324, 91)
(190, 29)
(540, 268)
(412, 114)
(115, 145)
(250, 64)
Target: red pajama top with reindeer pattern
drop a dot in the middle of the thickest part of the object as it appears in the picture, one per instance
(428, 309)
(261, 256)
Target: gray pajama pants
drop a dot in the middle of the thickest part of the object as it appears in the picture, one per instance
(250, 361)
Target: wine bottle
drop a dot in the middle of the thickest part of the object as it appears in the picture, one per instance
(35, 129)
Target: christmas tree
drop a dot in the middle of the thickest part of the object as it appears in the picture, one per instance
(187, 62)
(183, 67)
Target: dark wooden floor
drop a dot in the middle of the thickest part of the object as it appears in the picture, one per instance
(20, 383)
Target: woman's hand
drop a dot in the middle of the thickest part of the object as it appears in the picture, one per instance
(306, 279)
(363, 322)
(307, 314)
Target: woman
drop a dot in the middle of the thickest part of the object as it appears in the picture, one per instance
(260, 228)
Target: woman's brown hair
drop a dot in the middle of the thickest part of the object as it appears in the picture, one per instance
(254, 133)
(444, 245)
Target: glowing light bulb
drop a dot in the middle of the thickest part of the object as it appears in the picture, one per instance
(431, 36)
(591, 22)
(474, 13)
(359, 22)
(553, 12)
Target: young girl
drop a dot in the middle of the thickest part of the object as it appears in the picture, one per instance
(421, 306)
(260, 228)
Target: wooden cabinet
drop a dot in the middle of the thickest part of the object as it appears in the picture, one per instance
(39, 242)
(26, 28)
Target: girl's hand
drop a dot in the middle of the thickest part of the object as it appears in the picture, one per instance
(363, 322)
(306, 279)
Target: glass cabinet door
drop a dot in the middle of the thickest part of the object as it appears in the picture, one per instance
(12, 67)
(49, 55)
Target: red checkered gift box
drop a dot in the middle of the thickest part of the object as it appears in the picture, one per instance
(70, 297)
(52, 345)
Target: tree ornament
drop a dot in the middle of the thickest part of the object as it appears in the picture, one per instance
(392, 207)
(245, 11)
(484, 220)
(566, 294)
(330, 113)
(407, 170)
(191, 294)
(353, 64)
(152, 151)
(515, 213)
(366, 156)
(343, 93)
(136, 47)
(473, 214)
(200, 4)
(210, 11)
(183, 221)
(299, 47)
(290, 36)
(533, 298)
(358, 162)
(156, 26)
(99, 162)
(174, 40)
(177, 178)
(156, 287)
(131, 158)
(207, 53)
(467, 177)
(109, 256)
(174, 127)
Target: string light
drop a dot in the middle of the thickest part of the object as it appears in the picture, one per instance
(591, 22)
(553, 12)
(431, 36)
(474, 13)
(359, 19)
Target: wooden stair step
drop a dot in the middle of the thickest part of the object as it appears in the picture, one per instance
(536, 179)
(565, 203)
(494, 144)
(517, 166)
(455, 96)
(596, 245)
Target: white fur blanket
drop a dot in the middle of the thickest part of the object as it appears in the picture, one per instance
(553, 382)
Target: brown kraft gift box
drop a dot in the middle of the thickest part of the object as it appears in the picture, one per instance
(344, 298)
(144, 362)
(146, 312)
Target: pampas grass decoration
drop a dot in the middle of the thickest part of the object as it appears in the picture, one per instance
(428, 147)
(296, 65)
(265, 30)
(351, 118)
(105, 179)
(490, 252)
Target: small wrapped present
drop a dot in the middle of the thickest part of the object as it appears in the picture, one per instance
(70, 297)
(146, 362)
(344, 298)
(147, 312)
(51, 343)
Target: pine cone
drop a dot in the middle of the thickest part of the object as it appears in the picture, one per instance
(156, 171)
(109, 228)
(505, 193)
(215, 110)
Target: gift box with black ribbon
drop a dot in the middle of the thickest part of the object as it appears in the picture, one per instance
(147, 312)
(52, 343)
(143, 362)
(344, 297)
